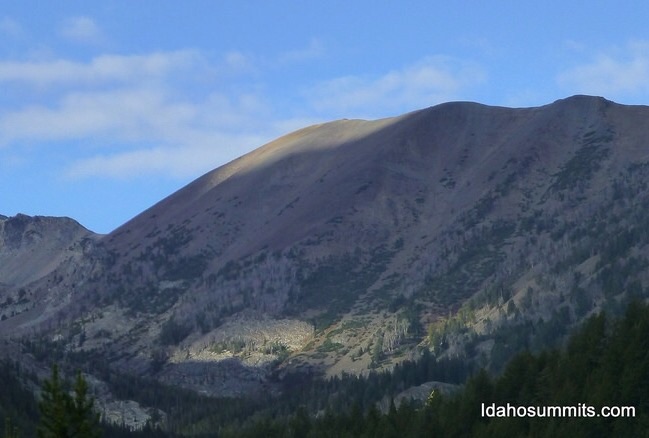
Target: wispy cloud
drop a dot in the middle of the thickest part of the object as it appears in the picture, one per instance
(121, 97)
(428, 82)
(178, 114)
(82, 30)
(136, 113)
(237, 62)
(176, 161)
(314, 50)
(171, 137)
(99, 70)
(124, 114)
(614, 73)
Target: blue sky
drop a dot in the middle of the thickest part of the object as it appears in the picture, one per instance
(107, 106)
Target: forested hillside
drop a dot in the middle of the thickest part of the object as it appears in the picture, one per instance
(604, 364)
(343, 247)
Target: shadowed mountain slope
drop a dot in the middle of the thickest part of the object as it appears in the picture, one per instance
(344, 245)
(32, 247)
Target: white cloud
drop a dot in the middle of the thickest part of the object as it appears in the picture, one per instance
(188, 148)
(177, 161)
(160, 133)
(428, 82)
(237, 62)
(178, 113)
(314, 50)
(166, 112)
(82, 30)
(125, 165)
(101, 69)
(615, 73)
(125, 114)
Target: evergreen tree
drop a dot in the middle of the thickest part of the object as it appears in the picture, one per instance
(84, 420)
(54, 408)
(11, 431)
(64, 415)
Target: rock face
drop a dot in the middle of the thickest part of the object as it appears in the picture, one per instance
(32, 248)
(448, 225)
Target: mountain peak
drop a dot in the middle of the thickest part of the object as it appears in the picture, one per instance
(33, 246)
(583, 101)
(365, 233)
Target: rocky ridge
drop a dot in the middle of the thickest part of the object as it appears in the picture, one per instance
(343, 247)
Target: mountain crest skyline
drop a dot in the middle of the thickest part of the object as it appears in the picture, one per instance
(348, 245)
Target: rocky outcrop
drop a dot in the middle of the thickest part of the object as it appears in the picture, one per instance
(32, 247)
(445, 227)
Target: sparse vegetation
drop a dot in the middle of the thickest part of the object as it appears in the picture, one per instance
(506, 248)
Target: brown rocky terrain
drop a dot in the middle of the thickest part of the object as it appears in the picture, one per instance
(468, 229)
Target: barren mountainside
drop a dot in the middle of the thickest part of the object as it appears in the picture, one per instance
(463, 228)
(31, 248)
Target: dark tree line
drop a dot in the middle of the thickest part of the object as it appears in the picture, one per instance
(604, 364)
(65, 415)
